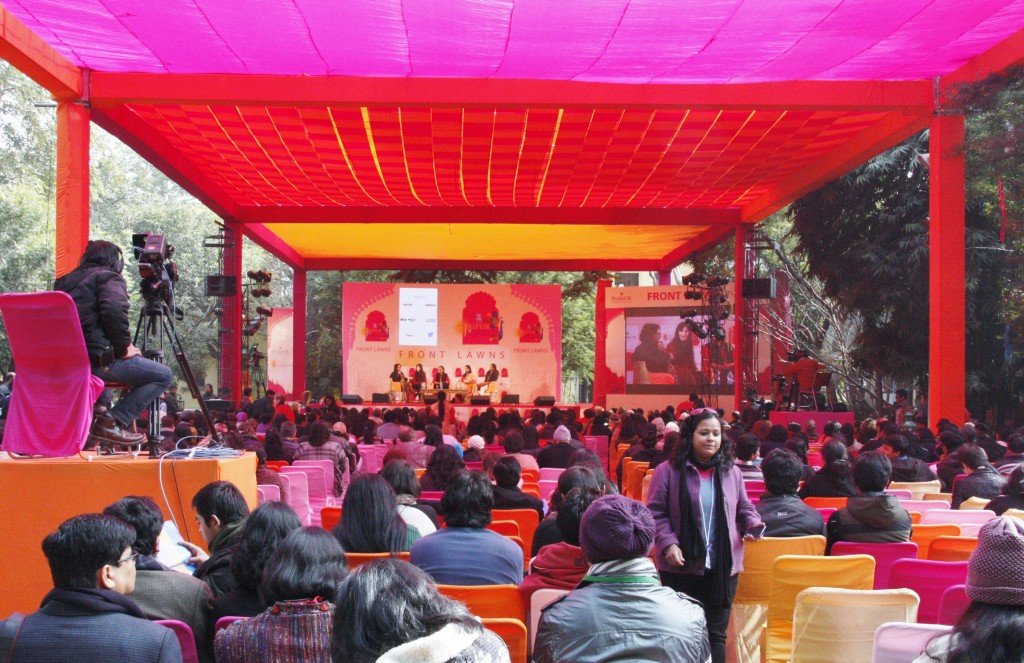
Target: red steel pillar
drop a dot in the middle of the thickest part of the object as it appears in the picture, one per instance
(947, 271)
(739, 310)
(665, 277)
(231, 320)
(298, 331)
(72, 228)
(600, 333)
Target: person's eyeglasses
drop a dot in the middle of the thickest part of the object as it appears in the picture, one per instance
(130, 558)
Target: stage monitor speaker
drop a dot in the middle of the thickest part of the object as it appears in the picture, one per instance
(430, 399)
(381, 398)
(544, 401)
(479, 400)
(840, 407)
(221, 285)
(351, 399)
(758, 288)
(510, 399)
(219, 405)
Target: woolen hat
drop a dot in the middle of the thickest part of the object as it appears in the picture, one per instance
(561, 434)
(476, 442)
(616, 527)
(995, 573)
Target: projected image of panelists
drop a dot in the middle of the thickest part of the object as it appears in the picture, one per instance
(673, 351)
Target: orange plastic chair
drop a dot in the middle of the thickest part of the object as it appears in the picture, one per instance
(825, 502)
(620, 451)
(923, 535)
(531, 489)
(530, 476)
(330, 516)
(277, 464)
(645, 486)
(635, 471)
(527, 520)
(791, 574)
(355, 560)
(489, 601)
(952, 548)
(915, 517)
(504, 527)
(513, 632)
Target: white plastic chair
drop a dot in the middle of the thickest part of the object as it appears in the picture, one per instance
(539, 600)
(956, 517)
(900, 642)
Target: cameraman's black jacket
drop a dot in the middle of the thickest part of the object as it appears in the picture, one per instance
(101, 297)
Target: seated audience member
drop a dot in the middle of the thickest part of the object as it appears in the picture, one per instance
(558, 452)
(578, 476)
(371, 523)
(220, 510)
(1014, 454)
(474, 449)
(904, 467)
(403, 481)
(507, 494)
(781, 510)
(87, 616)
(1012, 495)
(561, 565)
(300, 584)
(798, 446)
(274, 446)
(620, 611)
(264, 475)
(587, 458)
(390, 612)
(980, 480)
(443, 465)
(871, 516)
(950, 440)
(643, 431)
(774, 439)
(160, 592)
(991, 628)
(513, 444)
(466, 507)
(834, 479)
(649, 452)
(264, 529)
(321, 446)
(416, 452)
(289, 439)
(748, 451)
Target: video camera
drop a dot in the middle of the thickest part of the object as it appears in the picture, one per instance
(153, 253)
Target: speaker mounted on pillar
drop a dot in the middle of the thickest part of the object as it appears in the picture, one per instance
(763, 288)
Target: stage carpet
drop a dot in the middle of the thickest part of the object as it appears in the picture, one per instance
(39, 494)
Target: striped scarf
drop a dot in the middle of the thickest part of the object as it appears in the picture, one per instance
(637, 571)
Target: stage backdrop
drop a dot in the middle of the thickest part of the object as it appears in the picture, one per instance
(516, 327)
(675, 361)
(279, 351)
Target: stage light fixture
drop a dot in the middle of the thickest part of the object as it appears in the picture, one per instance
(718, 281)
(693, 279)
(692, 294)
(253, 327)
(718, 332)
(266, 312)
(260, 275)
(724, 315)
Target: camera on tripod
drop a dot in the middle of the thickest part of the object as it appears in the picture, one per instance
(153, 253)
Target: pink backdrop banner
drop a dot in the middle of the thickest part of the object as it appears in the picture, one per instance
(516, 327)
(279, 351)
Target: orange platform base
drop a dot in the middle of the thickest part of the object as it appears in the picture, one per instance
(39, 494)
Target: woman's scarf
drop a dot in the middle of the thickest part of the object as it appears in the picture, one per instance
(691, 538)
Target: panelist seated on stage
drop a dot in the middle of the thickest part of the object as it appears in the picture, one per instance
(468, 377)
(441, 379)
(490, 378)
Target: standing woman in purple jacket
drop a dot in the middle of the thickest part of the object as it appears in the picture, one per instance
(701, 522)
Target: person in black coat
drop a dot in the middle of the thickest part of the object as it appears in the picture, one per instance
(834, 479)
(904, 467)
(557, 453)
(221, 511)
(781, 510)
(506, 490)
(87, 616)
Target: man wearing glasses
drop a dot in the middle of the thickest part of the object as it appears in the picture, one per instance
(87, 616)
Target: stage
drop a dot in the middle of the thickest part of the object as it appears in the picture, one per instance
(41, 493)
(819, 418)
(463, 411)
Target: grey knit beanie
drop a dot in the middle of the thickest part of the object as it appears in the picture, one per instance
(995, 573)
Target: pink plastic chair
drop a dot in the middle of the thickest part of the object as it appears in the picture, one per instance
(956, 517)
(314, 488)
(900, 494)
(599, 445)
(268, 493)
(225, 622)
(51, 407)
(885, 555)
(373, 457)
(755, 485)
(826, 513)
(930, 580)
(551, 473)
(328, 466)
(187, 640)
(546, 488)
(475, 465)
(953, 604)
(924, 506)
(432, 495)
(296, 495)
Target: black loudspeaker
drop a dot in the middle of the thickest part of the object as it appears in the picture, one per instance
(378, 398)
(544, 401)
(219, 405)
(351, 399)
(479, 400)
(510, 399)
(221, 285)
(430, 399)
(840, 407)
(758, 288)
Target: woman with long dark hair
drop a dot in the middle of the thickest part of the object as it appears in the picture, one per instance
(442, 466)
(680, 349)
(702, 515)
(1012, 496)
(371, 523)
(834, 479)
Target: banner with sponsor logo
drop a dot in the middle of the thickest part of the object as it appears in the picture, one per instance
(464, 329)
(280, 351)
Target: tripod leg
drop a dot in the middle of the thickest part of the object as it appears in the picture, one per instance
(186, 370)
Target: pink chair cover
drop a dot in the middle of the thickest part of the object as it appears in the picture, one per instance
(900, 493)
(930, 580)
(298, 493)
(51, 408)
(956, 517)
(373, 457)
(551, 473)
(268, 493)
(186, 639)
(599, 445)
(923, 506)
(225, 622)
(432, 495)
(953, 604)
(826, 513)
(885, 555)
(547, 486)
(328, 467)
(315, 487)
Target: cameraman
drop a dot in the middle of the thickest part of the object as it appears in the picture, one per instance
(101, 296)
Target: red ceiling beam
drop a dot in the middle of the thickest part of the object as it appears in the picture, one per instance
(553, 265)
(620, 216)
(112, 89)
(274, 245)
(151, 146)
(874, 140)
(38, 60)
(1007, 53)
(705, 240)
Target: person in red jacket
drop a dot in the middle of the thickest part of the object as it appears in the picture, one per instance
(561, 565)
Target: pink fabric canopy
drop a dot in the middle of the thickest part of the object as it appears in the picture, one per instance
(612, 41)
